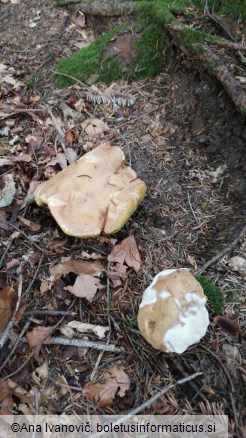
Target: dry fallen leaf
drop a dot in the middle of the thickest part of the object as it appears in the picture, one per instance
(44, 287)
(6, 401)
(238, 264)
(94, 126)
(32, 226)
(228, 324)
(8, 298)
(85, 286)
(36, 337)
(3, 220)
(116, 273)
(127, 252)
(113, 381)
(40, 374)
(82, 327)
(79, 267)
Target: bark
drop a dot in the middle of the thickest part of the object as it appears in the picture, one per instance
(113, 9)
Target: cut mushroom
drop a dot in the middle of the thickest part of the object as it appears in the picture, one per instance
(96, 193)
(172, 315)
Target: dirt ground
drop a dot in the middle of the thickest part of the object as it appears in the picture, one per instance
(180, 129)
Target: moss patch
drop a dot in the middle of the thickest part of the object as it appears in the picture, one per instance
(213, 294)
(90, 63)
(235, 8)
(97, 62)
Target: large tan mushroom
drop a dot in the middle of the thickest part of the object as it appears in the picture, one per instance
(94, 194)
(172, 315)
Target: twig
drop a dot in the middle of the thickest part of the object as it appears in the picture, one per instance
(150, 401)
(5, 252)
(128, 147)
(197, 221)
(35, 276)
(217, 21)
(23, 331)
(10, 325)
(94, 371)
(35, 349)
(71, 77)
(227, 249)
(61, 135)
(45, 312)
(232, 393)
(81, 343)
(23, 110)
(27, 237)
(108, 297)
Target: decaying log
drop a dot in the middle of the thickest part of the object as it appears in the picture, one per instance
(105, 9)
(229, 82)
(212, 61)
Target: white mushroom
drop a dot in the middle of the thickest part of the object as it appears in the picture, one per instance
(172, 315)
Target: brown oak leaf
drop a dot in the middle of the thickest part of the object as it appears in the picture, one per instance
(127, 252)
(85, 286)
(8, 298)
(77, 266)
(113, 381)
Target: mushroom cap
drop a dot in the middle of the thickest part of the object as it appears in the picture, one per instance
(172, 315)
(94, 194)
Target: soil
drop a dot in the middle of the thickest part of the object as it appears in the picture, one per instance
(181, 127)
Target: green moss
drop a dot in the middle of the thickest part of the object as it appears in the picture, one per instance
(90, 63)
(93, 64)
(232, 295)
(213, 294)
(235, 8)
(150, 49)
(30, 81)
(205, 207)
(156, 11)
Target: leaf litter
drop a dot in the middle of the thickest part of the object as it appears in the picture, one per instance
(171, 142)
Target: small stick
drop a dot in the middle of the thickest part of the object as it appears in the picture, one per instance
(71, 77)
(10, 325)
(197, 221)
(149, 402)
(94, 371)
(45, 312)
(81, 343)
(23, 331)
(27, 237)
(36, 348)
(23, 110)
(35, 276)
(227, 249)
(61, 135)
(5, 252)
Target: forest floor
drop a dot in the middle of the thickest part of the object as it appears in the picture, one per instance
(180, 130)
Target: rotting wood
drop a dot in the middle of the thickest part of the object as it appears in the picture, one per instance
(103, 9)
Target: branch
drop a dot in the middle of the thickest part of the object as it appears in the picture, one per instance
(227, 249)
(81, 343)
